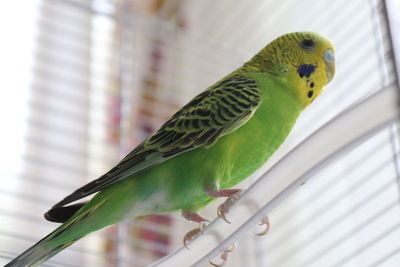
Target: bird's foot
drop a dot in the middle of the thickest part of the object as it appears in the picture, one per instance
(189, 236)
(231, 194)
(193, 233)
(224, 256)
(193, 217)
(266, 223)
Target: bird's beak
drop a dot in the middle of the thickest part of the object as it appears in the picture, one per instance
(329, 59)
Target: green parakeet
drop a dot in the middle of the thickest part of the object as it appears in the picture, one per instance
(218, 139)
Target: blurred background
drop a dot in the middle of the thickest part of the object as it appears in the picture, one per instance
(84, 81)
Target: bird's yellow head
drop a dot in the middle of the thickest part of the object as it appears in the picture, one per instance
(307, 59)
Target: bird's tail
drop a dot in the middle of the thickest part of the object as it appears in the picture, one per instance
(56, 241)
(39, 252)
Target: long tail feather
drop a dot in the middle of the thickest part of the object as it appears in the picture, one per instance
(38, 253)
(46, 248)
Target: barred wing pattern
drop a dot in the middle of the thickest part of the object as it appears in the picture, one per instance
(217, 111)
(212, 114)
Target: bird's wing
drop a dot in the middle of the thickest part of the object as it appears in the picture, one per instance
(218, 111)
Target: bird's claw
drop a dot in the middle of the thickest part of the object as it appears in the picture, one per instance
(224, 256)
(193, 233)
(189, 236)
(224, 208)
(264, 222)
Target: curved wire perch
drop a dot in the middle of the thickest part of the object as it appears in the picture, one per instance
(342, 133)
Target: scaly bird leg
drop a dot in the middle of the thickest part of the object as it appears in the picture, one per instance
(231, 194)
(193, 217)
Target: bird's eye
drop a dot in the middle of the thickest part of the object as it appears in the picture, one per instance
(307, 44)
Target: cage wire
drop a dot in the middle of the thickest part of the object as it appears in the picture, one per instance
(100, 75)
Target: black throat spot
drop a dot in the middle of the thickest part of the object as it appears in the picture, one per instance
(305, 70)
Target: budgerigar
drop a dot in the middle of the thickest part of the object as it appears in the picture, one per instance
(218, 139)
